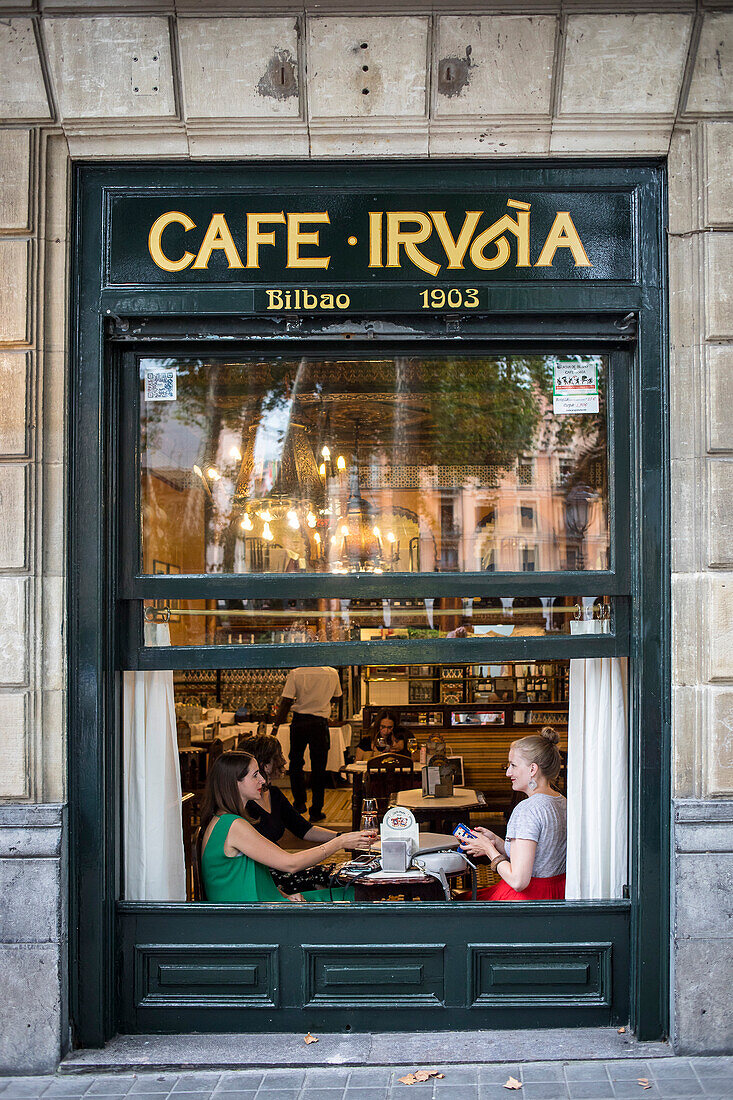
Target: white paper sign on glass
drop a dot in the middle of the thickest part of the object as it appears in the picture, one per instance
(575, 388)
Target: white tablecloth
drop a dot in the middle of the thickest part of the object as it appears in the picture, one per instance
(339, 740)
(336, 757)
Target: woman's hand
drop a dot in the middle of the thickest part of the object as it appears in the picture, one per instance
(479, 846)
(358, 840)
(495, 840)
(295, 897)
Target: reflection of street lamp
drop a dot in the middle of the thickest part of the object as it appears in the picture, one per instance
(577, 508)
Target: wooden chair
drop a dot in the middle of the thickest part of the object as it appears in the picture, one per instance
(216, 748)
(183, 733)
(212, 732)
(385, 775)
(188, 810)
(199, 893)
(192, 763)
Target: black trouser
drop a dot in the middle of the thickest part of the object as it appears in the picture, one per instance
(311, 731)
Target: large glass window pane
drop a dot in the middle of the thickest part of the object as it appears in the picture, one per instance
(391, 464)
(287, 622)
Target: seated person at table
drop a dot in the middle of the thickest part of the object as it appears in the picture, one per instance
(272, 813)
(384, 735)
(531, 861)
(236, 860)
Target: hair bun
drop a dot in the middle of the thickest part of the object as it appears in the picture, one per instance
(549, 734)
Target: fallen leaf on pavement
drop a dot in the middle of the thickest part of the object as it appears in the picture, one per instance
(644, 1082)
(419, 1076)
(311, 1038)
(512, 1083)
(622, 1031)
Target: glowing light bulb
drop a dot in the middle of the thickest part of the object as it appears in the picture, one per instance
(293, 521)
(213, 473)
(325, 452)
(341, 462)
(267, 533)
(344, 530)
(333, 540)
(246, 524)
(264, 515)
(376, 532)
(198, 471)
(236, 454)
(310, 519)
(390, 537)
(322, 469)
(317, 539)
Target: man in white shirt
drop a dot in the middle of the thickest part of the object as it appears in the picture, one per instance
(309, 691)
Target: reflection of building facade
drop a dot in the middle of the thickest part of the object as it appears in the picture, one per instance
(266, 484)
(554, 88)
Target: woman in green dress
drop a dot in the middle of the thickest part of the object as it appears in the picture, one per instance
(235, 859)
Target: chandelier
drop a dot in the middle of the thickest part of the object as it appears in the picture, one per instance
(286, 497)
(279, 482)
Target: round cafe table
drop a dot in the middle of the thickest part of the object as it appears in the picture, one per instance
(442, 813)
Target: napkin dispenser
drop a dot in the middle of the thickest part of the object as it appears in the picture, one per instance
(437, 778)
(400, 837)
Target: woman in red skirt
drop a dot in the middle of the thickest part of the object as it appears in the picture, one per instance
(531, 861)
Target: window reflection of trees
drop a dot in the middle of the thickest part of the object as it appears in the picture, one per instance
(468, 431)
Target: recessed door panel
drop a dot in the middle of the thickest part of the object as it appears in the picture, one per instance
(549, 974)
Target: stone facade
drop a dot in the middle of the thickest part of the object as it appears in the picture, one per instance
(157, 78)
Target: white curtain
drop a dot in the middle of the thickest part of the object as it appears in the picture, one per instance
(153, 830)
(598, 774)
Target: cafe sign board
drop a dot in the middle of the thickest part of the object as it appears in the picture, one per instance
(317, 250)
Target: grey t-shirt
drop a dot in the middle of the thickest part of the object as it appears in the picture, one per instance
(542, 818)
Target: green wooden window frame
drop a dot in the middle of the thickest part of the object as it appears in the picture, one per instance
(108, 322)
(135, 586)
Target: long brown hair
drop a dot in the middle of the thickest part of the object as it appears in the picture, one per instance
(385, 712)
(266, 750)
(221, 793)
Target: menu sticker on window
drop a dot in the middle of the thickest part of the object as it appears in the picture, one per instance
(575, 388)
(160, 384)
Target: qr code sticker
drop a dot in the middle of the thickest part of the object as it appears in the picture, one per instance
(160, 385)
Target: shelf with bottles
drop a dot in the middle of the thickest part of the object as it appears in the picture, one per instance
(452, 685)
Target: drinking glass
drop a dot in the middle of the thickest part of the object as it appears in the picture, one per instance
(369, 818)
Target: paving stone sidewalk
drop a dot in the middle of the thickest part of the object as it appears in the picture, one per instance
(674, 1078)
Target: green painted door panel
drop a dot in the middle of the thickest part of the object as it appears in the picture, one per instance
(433, 966)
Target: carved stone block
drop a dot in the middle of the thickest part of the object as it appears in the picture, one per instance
(495, 65)
(631, 64)
(711, 88)
(14, 274)
(362, 67)
(13, 390)
(111, 66)
(15, 147)
(239, 68)
(22, 91)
